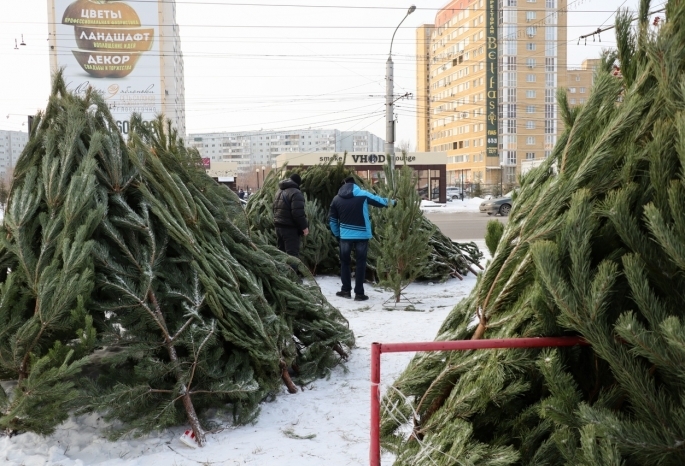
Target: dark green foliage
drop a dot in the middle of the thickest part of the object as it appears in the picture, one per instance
(128, 261)
(595, 251)
(493, 233)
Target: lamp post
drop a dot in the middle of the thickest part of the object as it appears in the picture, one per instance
(263, 167)
(389, 113)
(257, 171)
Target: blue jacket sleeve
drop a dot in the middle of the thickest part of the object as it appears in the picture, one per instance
(371, 198)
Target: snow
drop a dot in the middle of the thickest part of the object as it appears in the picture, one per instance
(451, 206)
(334, 411)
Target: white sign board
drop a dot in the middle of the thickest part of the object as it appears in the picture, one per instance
(114, 47)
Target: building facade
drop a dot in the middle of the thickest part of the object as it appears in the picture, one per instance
(171, 64)
(580, 82)
(429, 167)
(11, 145)
(260, 148)
(494, 69)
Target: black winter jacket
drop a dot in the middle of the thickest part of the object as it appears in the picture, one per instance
(289, 206)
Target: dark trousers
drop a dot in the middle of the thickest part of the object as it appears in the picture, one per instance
(361, 248)
(288, 240)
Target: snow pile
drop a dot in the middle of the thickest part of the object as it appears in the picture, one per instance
(307, 428)
(456, 205)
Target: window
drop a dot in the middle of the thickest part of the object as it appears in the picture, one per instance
(530, 63)
(530, 124)
(530, 94)
(530, 155)
(531, 30)
(573, 101)
(530, 46)
(530, 78)
(572, 90)
(530, 109)
(577, 77)
(530, 140)
(530, 16)
(582, 90)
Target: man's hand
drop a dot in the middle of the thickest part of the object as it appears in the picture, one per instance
(305, 232)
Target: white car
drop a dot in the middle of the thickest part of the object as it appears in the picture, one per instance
(453, 193)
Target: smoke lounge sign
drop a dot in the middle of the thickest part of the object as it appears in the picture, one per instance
(491, 79)
(368, 159)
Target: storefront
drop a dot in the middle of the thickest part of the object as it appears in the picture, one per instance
(223, 172)
(430, 167)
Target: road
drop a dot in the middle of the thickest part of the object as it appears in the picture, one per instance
(463, 225)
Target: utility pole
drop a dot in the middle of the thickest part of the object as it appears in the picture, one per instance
(389, 103)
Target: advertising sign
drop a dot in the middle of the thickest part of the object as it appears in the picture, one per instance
(491, 79)
(112, 46)
(360, 158)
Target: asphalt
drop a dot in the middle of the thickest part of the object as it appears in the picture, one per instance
(461, 226)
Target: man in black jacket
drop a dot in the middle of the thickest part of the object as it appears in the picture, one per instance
(289, 217)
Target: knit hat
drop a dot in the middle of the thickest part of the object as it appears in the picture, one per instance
(349, 179)
(296, 178)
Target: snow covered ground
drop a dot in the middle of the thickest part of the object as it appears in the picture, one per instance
(334, 412)
(467, 205)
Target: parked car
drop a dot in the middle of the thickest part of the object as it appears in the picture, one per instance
(501, 205)
(453, 193)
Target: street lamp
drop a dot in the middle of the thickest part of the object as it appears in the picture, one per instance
(389, 113)
(257, 170)
(263, 167)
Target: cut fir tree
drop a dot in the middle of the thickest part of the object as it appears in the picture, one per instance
(127, 260)
(402, 245)
(596, 251)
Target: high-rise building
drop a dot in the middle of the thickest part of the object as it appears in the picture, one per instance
(580, 81)
(257, 148)
(11, 145)
(128, 51)
(493, 71)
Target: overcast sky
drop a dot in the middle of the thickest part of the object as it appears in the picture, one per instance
(276, 64)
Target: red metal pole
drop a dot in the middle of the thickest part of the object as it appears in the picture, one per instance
(375, 446)
(459, 345)
(538, 342)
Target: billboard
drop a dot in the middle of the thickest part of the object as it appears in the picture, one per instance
(491, 79)
(114, 47)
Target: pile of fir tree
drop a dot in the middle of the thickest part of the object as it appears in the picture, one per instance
(130, 285)
(595, 250)
(319, 252)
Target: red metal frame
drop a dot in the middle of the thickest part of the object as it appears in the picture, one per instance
(461, 345)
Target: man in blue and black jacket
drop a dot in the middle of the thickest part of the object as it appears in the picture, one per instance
(350, 223)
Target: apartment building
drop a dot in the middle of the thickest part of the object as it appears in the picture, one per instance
(260, 148)
(11, 145)
(493, 71)
(359, 141)
(580, 82)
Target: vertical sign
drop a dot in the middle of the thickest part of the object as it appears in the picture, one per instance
(491, 79)
(112, 47)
